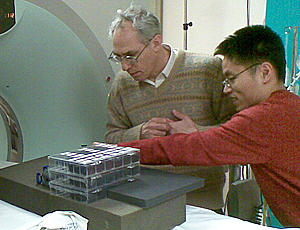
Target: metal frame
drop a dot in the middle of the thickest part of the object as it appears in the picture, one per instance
(14, 133)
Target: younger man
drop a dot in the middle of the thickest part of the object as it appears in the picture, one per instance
(265, 132)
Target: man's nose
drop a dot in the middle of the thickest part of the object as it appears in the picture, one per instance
(125, 65)
(227, 89)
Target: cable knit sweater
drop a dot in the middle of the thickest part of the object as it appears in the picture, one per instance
(194, 87)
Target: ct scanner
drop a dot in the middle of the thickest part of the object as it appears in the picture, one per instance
(54, 80)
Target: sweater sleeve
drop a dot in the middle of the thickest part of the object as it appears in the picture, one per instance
(239, 141)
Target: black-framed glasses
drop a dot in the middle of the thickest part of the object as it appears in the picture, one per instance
(229, 81)
(129, 59)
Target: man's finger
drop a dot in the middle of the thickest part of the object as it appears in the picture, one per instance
(178, 114)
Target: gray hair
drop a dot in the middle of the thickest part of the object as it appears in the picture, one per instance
(142, 20)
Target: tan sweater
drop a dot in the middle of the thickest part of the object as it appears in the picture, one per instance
(193, 87)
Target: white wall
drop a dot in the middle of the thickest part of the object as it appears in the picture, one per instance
(212, 21)
(98, 15)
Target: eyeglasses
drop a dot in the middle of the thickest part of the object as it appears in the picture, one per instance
(229, 81)
(129, 59)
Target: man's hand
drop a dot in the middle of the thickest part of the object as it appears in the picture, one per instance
(183, 125)
(156, 127)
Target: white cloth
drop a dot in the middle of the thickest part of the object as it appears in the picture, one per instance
(12, 217)
(204, 219)
(67, 220)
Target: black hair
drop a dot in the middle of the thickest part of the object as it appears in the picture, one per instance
(255, 44)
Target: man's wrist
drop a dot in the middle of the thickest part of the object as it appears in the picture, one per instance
(141, 131)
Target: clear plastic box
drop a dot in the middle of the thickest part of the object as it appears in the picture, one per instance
(94, 182)
(86, 162)
(82, 196)
(82, 173)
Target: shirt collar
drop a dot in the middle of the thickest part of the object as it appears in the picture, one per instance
(166, 71)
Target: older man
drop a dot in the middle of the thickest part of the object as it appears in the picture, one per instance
(156, 79)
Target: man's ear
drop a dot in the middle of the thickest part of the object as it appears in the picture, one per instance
(267, 72)
(156, 42)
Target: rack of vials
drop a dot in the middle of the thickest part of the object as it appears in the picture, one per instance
(86, 173)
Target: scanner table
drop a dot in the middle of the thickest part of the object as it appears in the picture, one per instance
(155, 200)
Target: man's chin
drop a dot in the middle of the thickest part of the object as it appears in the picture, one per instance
(241, 107)
(238, 106)
(138, 78)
